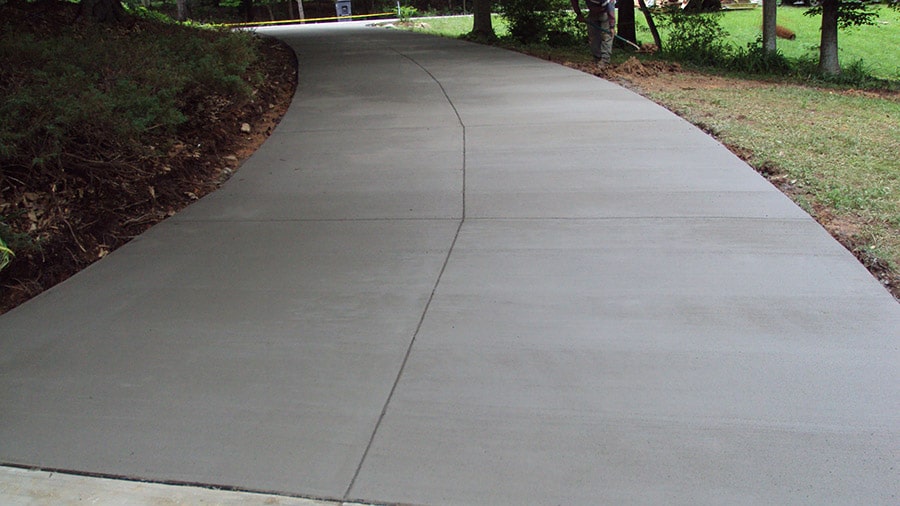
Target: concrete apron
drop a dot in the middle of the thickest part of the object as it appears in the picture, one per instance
(459, 275)
(21, 487)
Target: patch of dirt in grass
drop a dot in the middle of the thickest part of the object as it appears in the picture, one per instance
(408, 25)
(630, 70)
(203, 155)
(848, 231)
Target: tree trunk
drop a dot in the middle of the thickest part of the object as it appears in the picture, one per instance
(828, 47)
(770, 20)
(483, 27)
(247, 9)
(625, 23)
(652, 25)
(104, 11)
(300, 13)
(182, 10)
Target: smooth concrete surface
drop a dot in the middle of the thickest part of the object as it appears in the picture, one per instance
(460, 275)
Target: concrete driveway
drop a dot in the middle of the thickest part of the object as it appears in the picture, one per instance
(460, 275)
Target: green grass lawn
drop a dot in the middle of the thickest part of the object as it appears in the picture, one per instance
(455, 26)
(877, 46)
(838, 150)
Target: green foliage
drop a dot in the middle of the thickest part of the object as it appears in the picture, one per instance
(565, 31)
(850, 13)
(6, 255)
(866, 43)
(11, 242)
(754, 59)
(536, 21)
(140, 11)
(77, 88)
(407, 12)
(458, 26)
(701, 39)
(856, 75)
(696, 38)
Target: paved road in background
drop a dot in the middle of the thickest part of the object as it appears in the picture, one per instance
(460, 275)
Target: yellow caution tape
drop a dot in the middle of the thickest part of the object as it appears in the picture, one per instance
(307, 20)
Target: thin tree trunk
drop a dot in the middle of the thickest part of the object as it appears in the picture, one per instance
(651, 24)
(828, 47)
(770, 21)
(182, 10)
(625, 21)
(301, 14)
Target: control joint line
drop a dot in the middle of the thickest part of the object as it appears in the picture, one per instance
(437, 282)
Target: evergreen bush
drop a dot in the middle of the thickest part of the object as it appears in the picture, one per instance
(696, 38)
(541, 21)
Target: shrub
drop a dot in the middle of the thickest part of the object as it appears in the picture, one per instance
(82, 88)
(696, 38)
(140, 11)
(564, 31)
(535, 21)
(755, 59)
(407, 12)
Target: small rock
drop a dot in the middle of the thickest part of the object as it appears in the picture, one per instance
(245, 128)
(231, 158)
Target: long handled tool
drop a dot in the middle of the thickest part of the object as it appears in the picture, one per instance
(604, 30)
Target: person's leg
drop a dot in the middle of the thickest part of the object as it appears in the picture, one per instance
(606, 42)
(595, 36)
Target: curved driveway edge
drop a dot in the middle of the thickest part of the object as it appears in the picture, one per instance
(460, 275)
